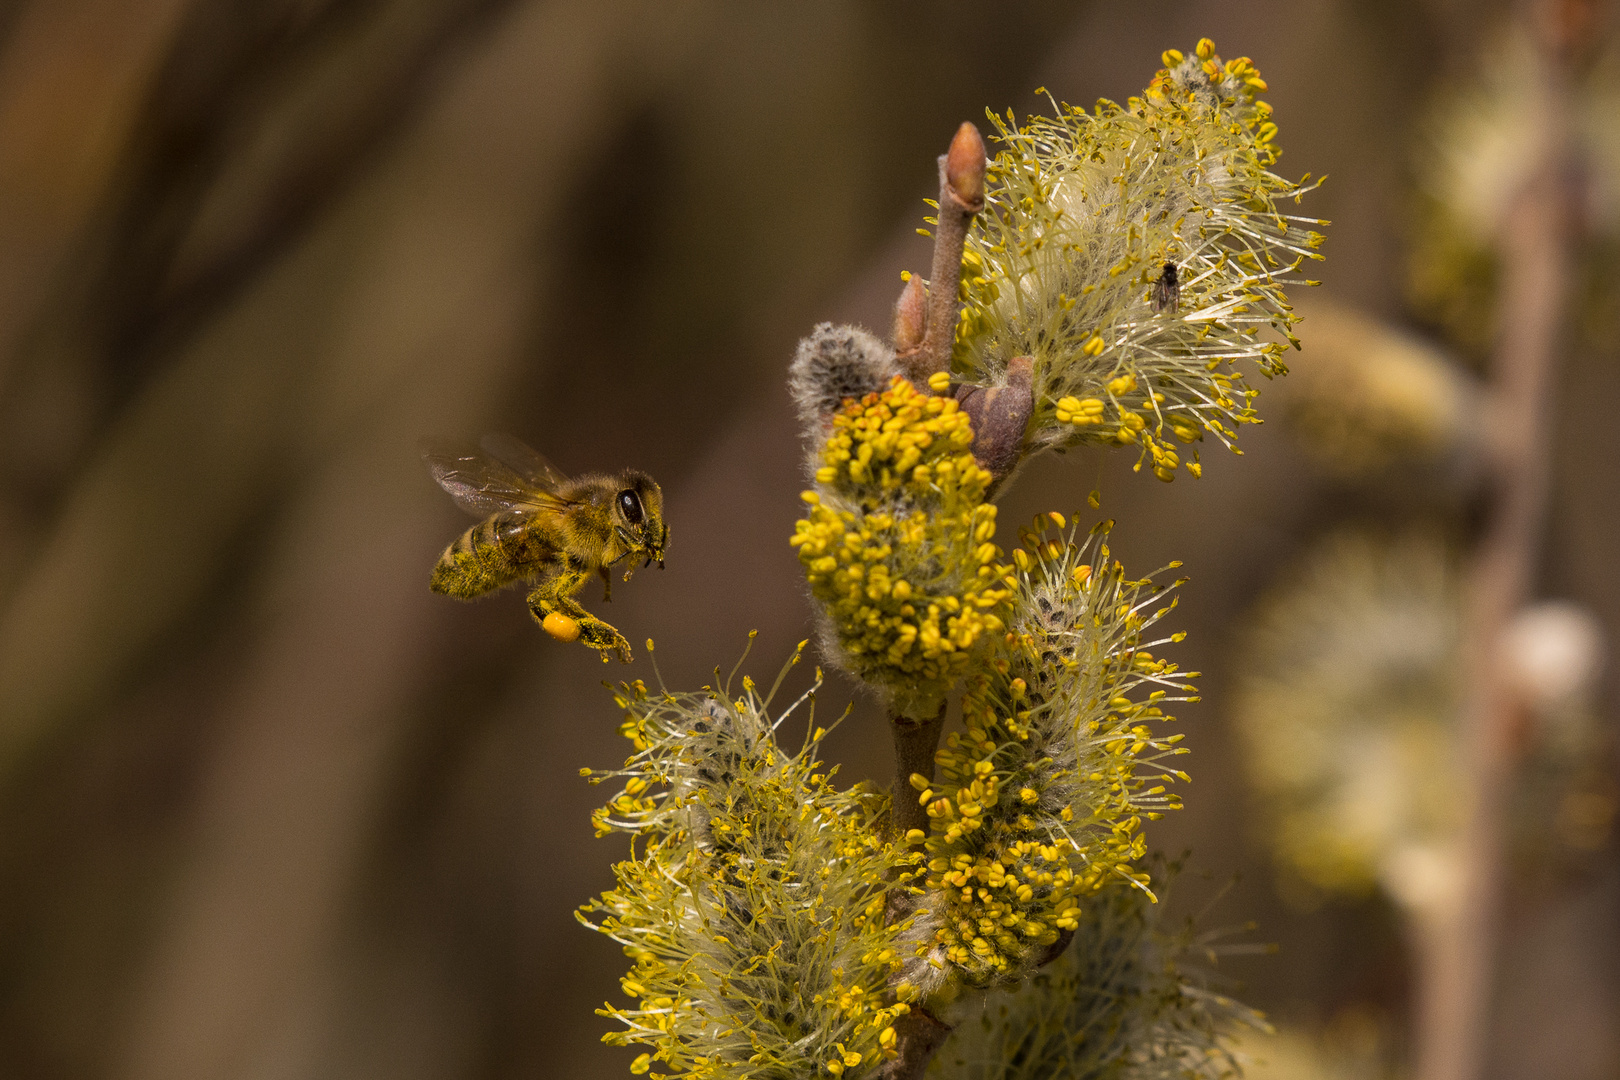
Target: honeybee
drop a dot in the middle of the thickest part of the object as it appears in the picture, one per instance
(539, 526)
(1167, 290)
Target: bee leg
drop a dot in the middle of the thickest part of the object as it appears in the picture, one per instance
(554, 596)
(607, 584)
(603, 638)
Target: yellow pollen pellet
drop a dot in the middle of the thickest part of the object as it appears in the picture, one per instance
(560, 626)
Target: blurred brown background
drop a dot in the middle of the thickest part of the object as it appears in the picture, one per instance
(268, 808)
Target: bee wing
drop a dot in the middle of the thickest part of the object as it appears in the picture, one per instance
(482, 485)
(523, 459)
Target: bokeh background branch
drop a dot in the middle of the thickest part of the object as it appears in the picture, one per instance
(1538, 243)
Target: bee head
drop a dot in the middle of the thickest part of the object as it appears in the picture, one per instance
(638, 510)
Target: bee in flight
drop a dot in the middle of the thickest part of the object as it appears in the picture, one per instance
(539, 526)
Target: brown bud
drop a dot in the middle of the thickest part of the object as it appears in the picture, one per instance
(964, 168)
(918, 1035)
(910, 317)
(1000, 415)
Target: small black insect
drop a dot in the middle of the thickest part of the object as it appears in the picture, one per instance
(1167, 290)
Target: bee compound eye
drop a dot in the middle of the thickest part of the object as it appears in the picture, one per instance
(630, 507)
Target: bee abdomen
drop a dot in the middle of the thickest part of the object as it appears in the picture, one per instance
(476, 563)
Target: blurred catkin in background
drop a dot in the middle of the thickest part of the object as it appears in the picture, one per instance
(270, 808)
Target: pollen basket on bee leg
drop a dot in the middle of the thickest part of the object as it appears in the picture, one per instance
(560, 627)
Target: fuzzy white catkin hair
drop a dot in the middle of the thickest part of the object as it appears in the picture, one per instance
(833, 364)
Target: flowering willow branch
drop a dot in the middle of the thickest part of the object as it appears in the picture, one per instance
(1115, 262)
(781, 927)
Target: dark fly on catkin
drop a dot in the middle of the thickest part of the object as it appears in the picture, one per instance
(1167, 290)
